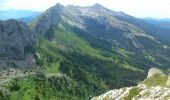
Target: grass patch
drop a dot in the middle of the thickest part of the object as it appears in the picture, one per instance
(126, 65)
(133, 92)
(156, 80)
(54, 68)
(123, 52)
(71, 42)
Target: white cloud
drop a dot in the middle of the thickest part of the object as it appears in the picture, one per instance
(139, 8)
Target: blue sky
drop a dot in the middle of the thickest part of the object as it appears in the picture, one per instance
(138, 8)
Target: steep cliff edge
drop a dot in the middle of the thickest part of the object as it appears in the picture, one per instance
(155, 87)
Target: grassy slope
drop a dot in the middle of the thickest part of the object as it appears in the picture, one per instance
(156, 80)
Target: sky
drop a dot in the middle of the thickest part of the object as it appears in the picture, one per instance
(137, 8)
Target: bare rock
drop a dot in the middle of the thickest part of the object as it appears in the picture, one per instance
(154, 71)
(16, 41)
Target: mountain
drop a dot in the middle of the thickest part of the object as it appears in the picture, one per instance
(81, 52)
(154, 87)
(17, 14)
(101, 28)
(162, 23)
(15, 38)
(157, 32)
(97, 46)
(103, 24)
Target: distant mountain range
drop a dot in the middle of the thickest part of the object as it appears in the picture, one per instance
(163, 23)
(22, 15)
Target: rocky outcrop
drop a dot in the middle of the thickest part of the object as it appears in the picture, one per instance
(154, 71)
(116, 94)
(142, 91)
(16, 39)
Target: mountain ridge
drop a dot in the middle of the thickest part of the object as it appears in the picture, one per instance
(81, 52)
(15, 38)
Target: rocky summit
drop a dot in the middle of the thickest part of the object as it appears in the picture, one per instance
(155, 87)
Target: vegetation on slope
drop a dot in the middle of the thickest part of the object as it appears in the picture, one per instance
(41, 87)
(156, 80)
(133, 92)
(88, 70)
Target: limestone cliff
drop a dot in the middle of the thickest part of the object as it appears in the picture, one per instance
(15, 39)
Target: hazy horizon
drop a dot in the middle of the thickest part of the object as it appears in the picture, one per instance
(138, 8)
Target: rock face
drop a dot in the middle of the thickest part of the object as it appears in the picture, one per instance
(154, 71)
(15, 41)
(14, 38)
